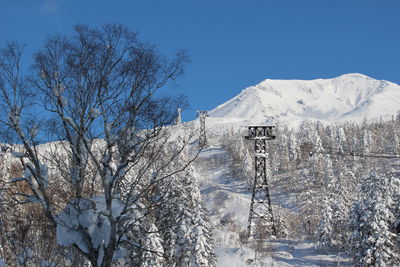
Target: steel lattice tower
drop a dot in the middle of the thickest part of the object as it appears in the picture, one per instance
(261, 219)
(202, 114)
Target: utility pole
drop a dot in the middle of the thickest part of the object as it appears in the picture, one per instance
(261, 219)
(202, 114)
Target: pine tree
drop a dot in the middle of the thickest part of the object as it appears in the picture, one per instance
(310, 197)
(366, 142)
(326, 224)
(373, 242)
(202, 242)
(341, 141)
(344, 188)
(152, 249)
(293, 146)
(200, 232)
(185, 229)
(325, 227)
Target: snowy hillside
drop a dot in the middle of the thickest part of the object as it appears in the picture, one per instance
(228, 200)
(347, 97)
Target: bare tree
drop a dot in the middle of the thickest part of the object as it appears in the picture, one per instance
(97, 93)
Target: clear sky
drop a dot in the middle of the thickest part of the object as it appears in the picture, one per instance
(233, 44)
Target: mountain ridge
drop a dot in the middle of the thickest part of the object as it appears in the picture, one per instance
(352, 96)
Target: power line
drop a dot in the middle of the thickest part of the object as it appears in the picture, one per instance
(356, 154)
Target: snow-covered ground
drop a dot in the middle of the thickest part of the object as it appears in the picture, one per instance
(228, 201)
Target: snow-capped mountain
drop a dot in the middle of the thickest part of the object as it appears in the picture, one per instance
(347, 97)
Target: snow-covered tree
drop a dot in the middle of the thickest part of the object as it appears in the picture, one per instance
(366, 141)
(310, 195)
(373, 241)
(242, 155)
(341, 141)
(325, 227)
(98, 89)
(345, 191)
(149, 251)
(293, 146)
(329, 196)
(185, 229)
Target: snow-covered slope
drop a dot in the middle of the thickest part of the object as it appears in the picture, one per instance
(347, 97)
(228, 201)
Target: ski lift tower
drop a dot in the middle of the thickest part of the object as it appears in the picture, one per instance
(261, 218)
(179, 117)
(202, 114)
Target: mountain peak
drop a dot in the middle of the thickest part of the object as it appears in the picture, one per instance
(353, 75)
(351, 96)
(346, 76)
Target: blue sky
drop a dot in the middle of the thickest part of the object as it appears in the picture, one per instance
(233, 44)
